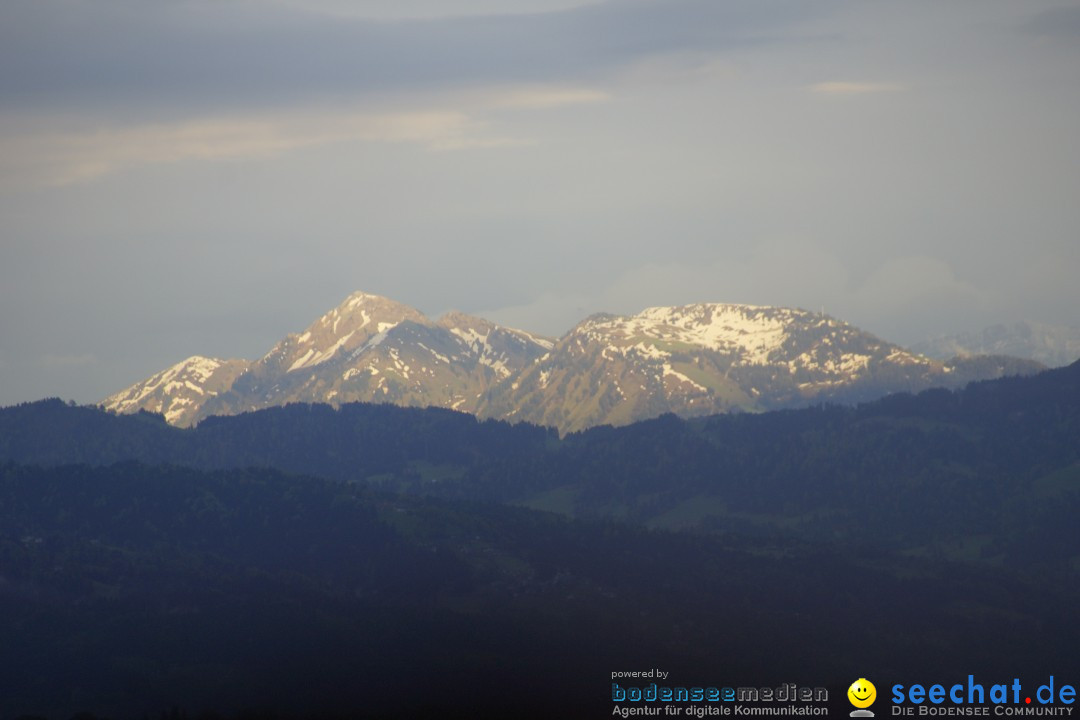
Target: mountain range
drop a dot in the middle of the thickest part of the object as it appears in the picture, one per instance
(1051, 345)
(689, 360)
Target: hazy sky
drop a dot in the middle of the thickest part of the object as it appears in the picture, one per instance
(184, 177)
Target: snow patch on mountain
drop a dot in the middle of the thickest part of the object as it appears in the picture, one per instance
(479, 345)
(750, 332)
(672, 372)
(535, 339)
(313, 357)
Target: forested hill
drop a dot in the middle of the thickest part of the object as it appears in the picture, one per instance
(357, 439)
(127, 590)
(940, 464)
(350, 443)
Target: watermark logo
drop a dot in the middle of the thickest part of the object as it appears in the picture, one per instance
(975, 698)
(862, 694)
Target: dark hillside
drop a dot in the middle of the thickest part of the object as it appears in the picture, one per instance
(131, 589)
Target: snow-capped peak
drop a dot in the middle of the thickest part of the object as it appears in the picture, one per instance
(352, 324)
(178, 390)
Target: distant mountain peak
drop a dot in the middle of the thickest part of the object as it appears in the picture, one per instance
(360, 301)
(1052, 345)
(355, 322)
(363, 311)
(368, 348)
(704, 358)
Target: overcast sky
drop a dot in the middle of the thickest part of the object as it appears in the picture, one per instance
(183, 177)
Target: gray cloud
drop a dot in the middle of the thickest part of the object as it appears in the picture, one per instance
(1059, 21)
(63, 52)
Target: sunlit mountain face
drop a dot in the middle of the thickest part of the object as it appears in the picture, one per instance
(690, 360)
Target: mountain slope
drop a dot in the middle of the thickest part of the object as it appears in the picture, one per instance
(180, 391)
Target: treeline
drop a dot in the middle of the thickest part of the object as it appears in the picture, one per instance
(994, 467)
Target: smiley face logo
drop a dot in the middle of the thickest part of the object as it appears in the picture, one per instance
(862, 693)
